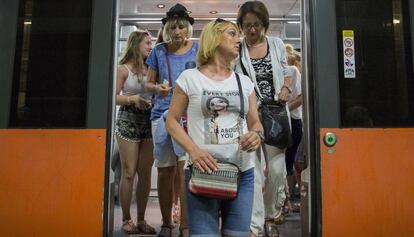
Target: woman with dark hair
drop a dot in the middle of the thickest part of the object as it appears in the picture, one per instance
(166, 61)
(262, 59)
(133, 130)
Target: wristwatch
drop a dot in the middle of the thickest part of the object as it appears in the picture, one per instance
(261, 135)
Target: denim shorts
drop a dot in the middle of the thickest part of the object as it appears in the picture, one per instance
(204, 213)
(169, 157)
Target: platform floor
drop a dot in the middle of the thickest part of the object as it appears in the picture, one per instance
(291, 228)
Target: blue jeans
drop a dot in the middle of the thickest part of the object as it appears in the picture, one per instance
(204, 213)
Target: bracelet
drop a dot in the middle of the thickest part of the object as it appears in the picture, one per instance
(290, 91)
(260, 134)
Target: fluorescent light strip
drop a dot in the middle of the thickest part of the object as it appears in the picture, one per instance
(148, 22)
(289, 20)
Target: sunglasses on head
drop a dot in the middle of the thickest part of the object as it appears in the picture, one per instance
(219, 20)
(143, 31)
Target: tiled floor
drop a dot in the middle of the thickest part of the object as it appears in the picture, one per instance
(291, 228)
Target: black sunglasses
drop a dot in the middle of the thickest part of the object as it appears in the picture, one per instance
(219, 20)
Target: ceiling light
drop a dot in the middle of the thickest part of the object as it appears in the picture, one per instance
(27, 22)
(160, 5)
(213, 12)
(293, 22)
(396, 21)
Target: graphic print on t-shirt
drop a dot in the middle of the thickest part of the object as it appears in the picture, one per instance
(221, 114)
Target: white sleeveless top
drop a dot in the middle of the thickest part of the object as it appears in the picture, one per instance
(134, 86)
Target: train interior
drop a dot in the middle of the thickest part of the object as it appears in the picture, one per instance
(57, 99)
(285, 19)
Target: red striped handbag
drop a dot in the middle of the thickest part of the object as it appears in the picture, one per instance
(221, 184)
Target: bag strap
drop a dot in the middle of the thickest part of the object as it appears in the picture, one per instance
(241, 96)
(241, 117)
(241, 63)
(168, 64)
(246, 74)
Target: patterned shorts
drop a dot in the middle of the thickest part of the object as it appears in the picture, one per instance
(133, 124)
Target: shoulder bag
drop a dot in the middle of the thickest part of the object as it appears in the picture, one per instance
(275, 119)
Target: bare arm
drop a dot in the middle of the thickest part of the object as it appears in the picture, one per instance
(294, 104)
(121, 77)
(251, 140)
(201, 158)
(152, 87)
(284, 91)
(297, 87)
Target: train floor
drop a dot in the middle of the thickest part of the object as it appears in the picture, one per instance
(291, 227)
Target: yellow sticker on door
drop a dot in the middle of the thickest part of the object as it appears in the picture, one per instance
(349, 53)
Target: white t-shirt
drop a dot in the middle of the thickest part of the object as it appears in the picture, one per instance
(296, 91)
(213, 113)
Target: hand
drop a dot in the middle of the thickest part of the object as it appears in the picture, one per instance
(162, 89)
(140, 103)
(283, 95)
(250, 141)
(203, 160)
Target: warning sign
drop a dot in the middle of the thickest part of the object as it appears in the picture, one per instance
(349, 53)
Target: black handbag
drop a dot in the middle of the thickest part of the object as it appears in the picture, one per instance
(275, 119)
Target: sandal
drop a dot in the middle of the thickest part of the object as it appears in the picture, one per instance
(165, 231)
(144, 228)
(271, 229)
(296, 207)
(184, 232)
(176, 213)
(287, 208)
(128, 227)
(280, 219)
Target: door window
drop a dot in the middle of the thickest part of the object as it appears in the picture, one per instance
(375, 63)
(51, 64)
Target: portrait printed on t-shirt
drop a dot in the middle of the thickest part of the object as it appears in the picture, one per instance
(221, 113)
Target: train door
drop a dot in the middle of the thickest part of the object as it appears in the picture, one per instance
(147, 14)
(360, 116)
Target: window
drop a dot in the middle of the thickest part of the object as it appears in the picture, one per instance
(381, 92)
(51, 64)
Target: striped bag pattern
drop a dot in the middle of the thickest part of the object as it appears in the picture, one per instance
(221, 184)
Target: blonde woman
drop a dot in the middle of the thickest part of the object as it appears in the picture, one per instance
(295, 108)
(293, 57)
(201, 91)
(166, 62)
(133, 130)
